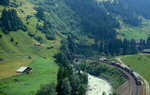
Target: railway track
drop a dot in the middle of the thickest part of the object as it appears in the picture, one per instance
(134, 88)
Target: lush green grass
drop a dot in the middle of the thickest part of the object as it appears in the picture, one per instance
(140, 63)
(12, 53)
(44, 72)
(130, 32)
(15, 56)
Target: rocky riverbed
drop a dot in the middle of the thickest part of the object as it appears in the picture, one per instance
(98, 86)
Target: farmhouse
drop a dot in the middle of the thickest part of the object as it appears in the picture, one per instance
(37, 44)
(24, 70)
(146, 51)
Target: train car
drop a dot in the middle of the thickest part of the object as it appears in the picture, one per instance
(126, 68)
(115, 64)
(137, 78)
(112, 62)
(118, 65)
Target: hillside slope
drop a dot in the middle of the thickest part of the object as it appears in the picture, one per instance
(49, 21)
(133, 17)
(13, 52)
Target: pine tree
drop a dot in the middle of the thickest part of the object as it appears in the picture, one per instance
(82, 89)
(71, 44)
(148, 42)
(40, 13)
(133, 47)
(101, 48)
(126, 47)
(4, 2)
(66, 88)
(75, 84)
(47, 90)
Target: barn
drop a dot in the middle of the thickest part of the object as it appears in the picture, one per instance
(146, 51)
(24, 70)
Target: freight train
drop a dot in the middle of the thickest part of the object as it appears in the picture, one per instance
(134, 74)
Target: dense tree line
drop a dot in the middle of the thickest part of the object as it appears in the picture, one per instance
(121, 8)
(70, 80)
(141, 7)
(112, 47)
(11, 22)
(129, 10)
(4, 2)
(144, 44)
(108, 47)
(68, 49)
(94, 19)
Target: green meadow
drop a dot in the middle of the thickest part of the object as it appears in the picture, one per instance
(24, 53)
(131, 32)
(43, 72)
(140, 63)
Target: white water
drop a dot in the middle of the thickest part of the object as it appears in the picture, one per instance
(97, 86)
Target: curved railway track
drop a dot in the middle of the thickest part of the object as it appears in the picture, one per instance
(134, 88)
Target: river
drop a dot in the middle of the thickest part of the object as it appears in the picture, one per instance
(97, 86)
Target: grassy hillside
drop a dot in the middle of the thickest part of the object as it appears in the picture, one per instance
(131, 32)
(140, 63)
(16, 55)
(43, 72)
(21, 52)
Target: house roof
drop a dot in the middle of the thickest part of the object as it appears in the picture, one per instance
(21, 69)
(37, 44)
(146, 50)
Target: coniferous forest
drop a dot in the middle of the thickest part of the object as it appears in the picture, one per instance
(4, 2)
(11, 21)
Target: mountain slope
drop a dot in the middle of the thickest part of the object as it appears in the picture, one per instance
(133, 17)
(88, 22)
(23, 44)
(81, 19)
